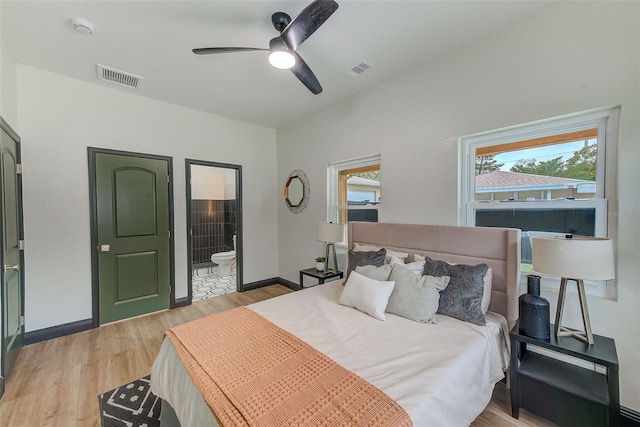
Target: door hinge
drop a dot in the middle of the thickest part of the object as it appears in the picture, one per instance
(21, 320)
(21, 245)
(19, 168)
(168, 179)
(169, 233)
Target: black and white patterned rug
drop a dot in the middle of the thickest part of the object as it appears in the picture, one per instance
(130, 405)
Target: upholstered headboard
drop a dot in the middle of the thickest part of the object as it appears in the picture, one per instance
(497, 247)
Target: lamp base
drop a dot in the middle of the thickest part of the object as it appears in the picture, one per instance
(335, 259)
(559, 330)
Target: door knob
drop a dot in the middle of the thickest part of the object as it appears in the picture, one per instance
(15, 267)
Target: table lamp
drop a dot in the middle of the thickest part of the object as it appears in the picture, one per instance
(573, 258)
(330, 233)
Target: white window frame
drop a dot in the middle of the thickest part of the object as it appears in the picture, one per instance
(606, 120)
(333, 172)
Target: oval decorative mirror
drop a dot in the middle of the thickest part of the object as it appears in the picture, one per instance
(296, 191)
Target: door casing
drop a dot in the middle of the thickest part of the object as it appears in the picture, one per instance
(95, 281)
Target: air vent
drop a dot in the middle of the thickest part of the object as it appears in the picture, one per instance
(359, 69)
(119, 77)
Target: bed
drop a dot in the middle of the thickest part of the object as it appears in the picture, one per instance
(440, 374)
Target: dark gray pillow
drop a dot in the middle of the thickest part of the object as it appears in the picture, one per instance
(462, 298)
(357, 258)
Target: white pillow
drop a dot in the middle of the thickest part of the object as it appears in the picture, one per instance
(367, 295)
(413, 297)
(387, 258)
(416, 267)
(418, 257)
(376, 273)
(486, 281)
(486, 291)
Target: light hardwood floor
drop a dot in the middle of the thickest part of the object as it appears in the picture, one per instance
(57, 382)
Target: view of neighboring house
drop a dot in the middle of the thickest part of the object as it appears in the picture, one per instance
(362, 189)
(504, 185)
(515, 186)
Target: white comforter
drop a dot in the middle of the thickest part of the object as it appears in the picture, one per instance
(442, 375)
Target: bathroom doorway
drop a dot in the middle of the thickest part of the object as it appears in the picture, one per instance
(214, 228)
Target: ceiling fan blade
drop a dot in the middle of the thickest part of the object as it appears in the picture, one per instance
(302, 71)
(307, 22)
(210, 50)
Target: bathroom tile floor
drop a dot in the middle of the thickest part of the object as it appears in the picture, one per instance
(210, 285)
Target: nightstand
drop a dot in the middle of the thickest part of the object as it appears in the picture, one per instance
(320, 275)
(562, 392)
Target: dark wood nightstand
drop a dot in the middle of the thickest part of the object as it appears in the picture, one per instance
(564, 393)
(320, 275)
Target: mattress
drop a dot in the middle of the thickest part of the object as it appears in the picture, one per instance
(441, 374)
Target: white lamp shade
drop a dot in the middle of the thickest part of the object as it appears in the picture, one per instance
(330, 232)
(589, 258)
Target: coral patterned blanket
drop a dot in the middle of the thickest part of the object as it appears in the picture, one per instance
(253, 373)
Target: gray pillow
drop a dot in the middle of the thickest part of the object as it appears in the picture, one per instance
(413, 297)
(462, 298)
(381, 273)
(357, 258)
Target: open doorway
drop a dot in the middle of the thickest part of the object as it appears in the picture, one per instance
(214, 225)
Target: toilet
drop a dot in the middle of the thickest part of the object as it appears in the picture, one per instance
(226, 261)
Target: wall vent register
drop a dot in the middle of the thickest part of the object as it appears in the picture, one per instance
(118, 77)
(359, 69)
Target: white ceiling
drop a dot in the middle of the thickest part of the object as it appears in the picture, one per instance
(153, 39)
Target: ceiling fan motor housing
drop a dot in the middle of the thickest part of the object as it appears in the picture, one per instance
(280, 20)
(276, 44)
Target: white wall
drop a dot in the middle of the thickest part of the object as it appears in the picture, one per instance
(212, 183)
(567, 57)
(8, 92)
(58, 118)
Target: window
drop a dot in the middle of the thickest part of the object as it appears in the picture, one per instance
(354, 190)
(556, 176)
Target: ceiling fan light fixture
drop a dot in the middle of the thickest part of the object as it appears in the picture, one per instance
(282, 59)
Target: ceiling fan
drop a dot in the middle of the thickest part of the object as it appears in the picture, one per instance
(293, 32)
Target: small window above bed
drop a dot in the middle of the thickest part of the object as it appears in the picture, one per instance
(354, 190)
(555, 176)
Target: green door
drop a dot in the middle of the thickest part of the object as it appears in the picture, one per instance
(132, 207)
(12, 295)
